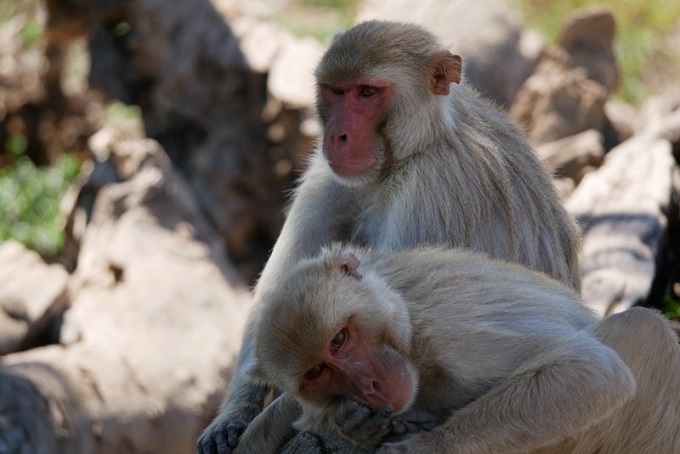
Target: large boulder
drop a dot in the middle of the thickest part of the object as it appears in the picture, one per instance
(588, 38)
(623, 208)
(153, 332)
(567, 92)
(33, 295)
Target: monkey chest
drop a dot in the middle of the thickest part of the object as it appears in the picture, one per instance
(384, 229)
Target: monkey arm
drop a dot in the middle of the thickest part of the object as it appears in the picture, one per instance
(244, 402)
(271, 429)
(319, 214)
(561, 393)
(322, 211)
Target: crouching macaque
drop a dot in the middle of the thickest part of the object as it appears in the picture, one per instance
(409, 156)
(507, 359)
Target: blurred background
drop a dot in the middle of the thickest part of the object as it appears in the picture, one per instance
(148, 147)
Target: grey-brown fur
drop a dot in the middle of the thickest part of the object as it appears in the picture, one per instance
(451, 170)
(521, 365)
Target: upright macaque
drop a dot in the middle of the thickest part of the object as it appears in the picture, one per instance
(508, 359)
(410, 156)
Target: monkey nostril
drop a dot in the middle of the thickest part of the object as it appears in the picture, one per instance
(343, 137)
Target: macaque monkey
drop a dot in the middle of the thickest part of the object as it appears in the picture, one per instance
(508, 359)
(409, 156)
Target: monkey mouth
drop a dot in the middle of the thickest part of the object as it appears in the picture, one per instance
(398, 394)
(354, 169)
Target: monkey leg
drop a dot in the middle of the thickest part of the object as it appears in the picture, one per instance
(650, 421)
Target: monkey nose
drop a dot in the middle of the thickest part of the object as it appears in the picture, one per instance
(343, 137)
(374, 387)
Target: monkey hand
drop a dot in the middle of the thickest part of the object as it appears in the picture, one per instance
(411, 422)
(421, 443)
(222, 435)
(328, 441)
(304, 443)
(359, 423)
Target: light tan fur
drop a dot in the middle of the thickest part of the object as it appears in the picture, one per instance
(449, 170)
(509, 359)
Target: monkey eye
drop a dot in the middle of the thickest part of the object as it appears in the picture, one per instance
(367, 91)
(337, 91)
(339, 340)
(315, 372)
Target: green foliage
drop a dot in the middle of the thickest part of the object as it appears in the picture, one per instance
(31, 33)
(29, 201)
(10, 8)
(671, 307)
(642, 26)
(318, 18)
(117, 111)
(335, 4)
(16, 144)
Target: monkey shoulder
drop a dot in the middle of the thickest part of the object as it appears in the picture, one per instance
(470, 298)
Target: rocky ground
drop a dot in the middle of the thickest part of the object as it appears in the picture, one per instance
(124, 342)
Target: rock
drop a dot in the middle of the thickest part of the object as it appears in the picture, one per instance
(588, 37)
(659, 117)
(557, 102)
(33, 296)
(621, 208)
(488, 36)
(209, 104)
(33, 104)
(12, 330)
(288, 60)
(564, 186)
(623, 118)
(259, 40)
(153, 331)
(567, 92)
(291, 79)
(569, 157)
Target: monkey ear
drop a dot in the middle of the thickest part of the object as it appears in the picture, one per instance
(445, 68)
(349, 265)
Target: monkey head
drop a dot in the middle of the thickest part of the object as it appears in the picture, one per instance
(379, 95)
(327, 332)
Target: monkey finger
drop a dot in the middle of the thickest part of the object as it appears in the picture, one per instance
(232, 435)
(223, 441)
(206, 445)
(303, 443)
(350, 414)
(398, 428)
(376, 426)
(414, 421)
(221, 446)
